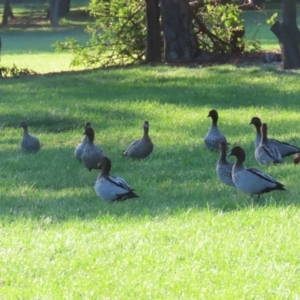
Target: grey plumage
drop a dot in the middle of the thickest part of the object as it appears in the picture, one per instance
(214, 136)
(29, 143)
(285, 149)
(91, 154)
(112, 188)
(224, 168)
(80, 147)
(249, 180)
(266, 152)
(142, 147)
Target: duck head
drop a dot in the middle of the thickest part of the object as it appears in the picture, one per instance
(239, 153)
(214, 115)
(146, 126)
(256, 122)
(87, 124)
(23, 124)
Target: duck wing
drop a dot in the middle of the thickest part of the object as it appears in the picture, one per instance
(119, 182)
(270, 182)
(266, 154)
(285, 149)
(121, 188)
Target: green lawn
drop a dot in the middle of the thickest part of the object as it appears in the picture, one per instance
(187, 236)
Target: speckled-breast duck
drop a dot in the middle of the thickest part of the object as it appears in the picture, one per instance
(80, 147)
(224, 168)
(142, 147)
(91, 154)
(266, 152)
(214, 136)
(29, 143)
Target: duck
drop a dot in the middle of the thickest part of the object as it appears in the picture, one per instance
(213, 136)
(250, 180)
(112, 188)
(29, 143)
(142, 147)
(285, 149)
(224, 168)
(80, 147)
(91, 154)
(266, 152)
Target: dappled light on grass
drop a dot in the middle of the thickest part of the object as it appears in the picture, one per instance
(188, 236)
(187, 230)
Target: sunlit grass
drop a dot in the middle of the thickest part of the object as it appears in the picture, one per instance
(42, 63)
(187, 236)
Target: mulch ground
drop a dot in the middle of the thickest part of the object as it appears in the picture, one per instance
(253, 58)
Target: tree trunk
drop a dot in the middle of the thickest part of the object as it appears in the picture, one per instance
(64, 8)
(288, 36)
(180, 41)
(153, 44)
(6, 12)
(54, 12)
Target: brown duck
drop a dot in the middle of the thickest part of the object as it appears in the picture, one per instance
(140, 148)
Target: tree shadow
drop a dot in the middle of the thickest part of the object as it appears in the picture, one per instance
(52, 184)
(178, 176)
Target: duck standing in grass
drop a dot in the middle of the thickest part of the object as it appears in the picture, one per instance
(140, 148)
(214, 136)
(224, 168)
(249, 180)
(266, 152)
(80, 147)
(112, 188)
(285, 149)
(91, 154)
(29, 143)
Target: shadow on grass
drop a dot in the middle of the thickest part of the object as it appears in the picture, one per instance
(53, 185)
(221, 88)
(58, 121)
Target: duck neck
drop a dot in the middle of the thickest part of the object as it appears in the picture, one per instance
(263, 139)
(104, 172)
(223, 155)
(215, 121)
(106, 166)
(257, 126)
(264, 135)
(25, 130)
(240, 159)
(90, 139)
(146, 132)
